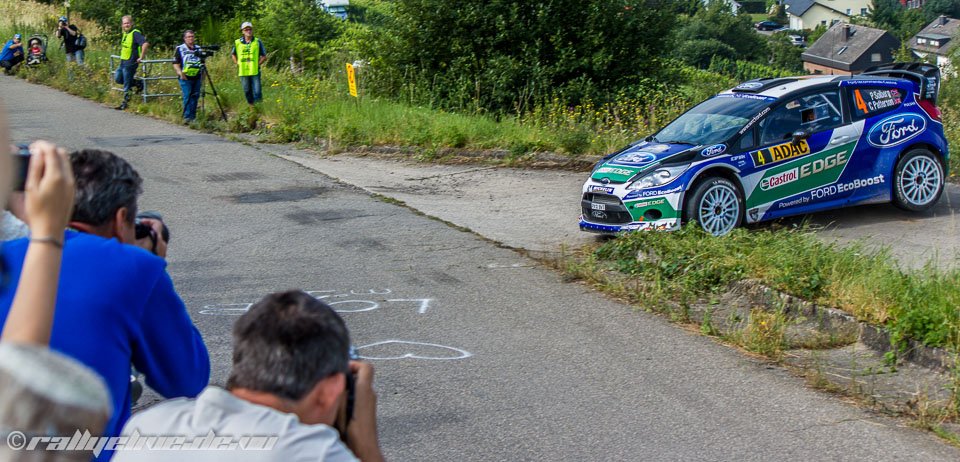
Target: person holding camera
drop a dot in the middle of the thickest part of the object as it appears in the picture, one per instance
(69, 34)
(187, 64)
(116, 304)
(249, 55)
(12, 54)
(291, 381)
(133, 50)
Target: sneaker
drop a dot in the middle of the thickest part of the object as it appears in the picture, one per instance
(122, 106)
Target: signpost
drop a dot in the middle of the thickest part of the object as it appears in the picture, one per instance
(352, 80)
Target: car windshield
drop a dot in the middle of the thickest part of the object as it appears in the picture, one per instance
(713, 121)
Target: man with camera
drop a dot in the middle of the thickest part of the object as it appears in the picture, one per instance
(116, 304)
(290, 384)
(133, 50)
(187, 62)
(69, 34)
(249, 54)
(12, 54)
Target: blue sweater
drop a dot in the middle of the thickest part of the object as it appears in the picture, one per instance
(116, 306)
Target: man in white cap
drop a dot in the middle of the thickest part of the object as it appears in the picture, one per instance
(12, 53)
(249, 55)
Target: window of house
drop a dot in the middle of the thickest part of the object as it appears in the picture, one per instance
(863, 11)
(875, 58)
(921, 40)
(848, 11)
(934, 43)
(870, 101)
(823, 23)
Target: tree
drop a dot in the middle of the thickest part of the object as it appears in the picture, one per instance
(161, 21)
(500, 55)
(716, 23)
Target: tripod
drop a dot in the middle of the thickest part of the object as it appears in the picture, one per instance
(203, 89)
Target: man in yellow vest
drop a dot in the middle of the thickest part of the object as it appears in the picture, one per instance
(133, 50)
(249, 55)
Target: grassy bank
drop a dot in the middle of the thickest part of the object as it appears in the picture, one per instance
(667, 268)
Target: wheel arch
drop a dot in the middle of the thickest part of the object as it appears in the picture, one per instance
(720, 170)
(929, 147)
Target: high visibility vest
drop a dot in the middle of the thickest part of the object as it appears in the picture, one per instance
(248, 57)
(191, 62)
(126, 44)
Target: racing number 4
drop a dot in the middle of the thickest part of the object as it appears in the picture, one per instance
(858, 100)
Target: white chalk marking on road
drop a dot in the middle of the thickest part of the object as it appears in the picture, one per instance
(461, 354)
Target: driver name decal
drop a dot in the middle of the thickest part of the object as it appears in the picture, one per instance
(779, 153)
(896, 130)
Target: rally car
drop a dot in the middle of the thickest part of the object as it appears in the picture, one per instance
(770, 148)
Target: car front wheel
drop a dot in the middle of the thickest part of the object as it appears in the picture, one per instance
(716, 204)
(918, 181)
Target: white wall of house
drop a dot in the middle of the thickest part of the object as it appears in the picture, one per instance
(819, 14)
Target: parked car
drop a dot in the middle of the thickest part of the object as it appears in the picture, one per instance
(797, 40)
(768, 25)
(775, 147)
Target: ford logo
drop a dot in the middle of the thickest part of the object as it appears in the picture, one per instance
(749, 86)
(714, 150)
(635, 158)
(896, 130)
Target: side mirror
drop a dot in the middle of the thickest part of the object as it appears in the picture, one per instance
(799, 136)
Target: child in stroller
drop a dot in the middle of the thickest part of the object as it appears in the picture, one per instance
(36, 49)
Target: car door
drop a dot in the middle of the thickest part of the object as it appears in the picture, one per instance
(804, 145)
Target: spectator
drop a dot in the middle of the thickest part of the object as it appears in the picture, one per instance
(187, 63)
(133, 50)
(116, 304)
(249, 55)
(43, 392)
(290, 367)
(12, 54)
(68, 33)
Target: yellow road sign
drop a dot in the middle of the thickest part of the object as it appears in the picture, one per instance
(352, 80)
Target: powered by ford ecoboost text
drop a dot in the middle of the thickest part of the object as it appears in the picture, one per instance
(770, 148)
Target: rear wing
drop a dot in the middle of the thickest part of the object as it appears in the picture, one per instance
(927, 76)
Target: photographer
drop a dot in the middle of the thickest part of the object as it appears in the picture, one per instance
(289, 380)
(187, 62)
(69, 33)
(116, 304)
(12, 54)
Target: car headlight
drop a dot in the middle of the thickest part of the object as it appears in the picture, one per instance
(659, 176)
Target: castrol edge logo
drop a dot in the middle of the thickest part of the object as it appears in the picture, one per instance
(780, 179)
(804, 170)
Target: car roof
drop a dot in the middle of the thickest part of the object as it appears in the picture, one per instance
(780, 87)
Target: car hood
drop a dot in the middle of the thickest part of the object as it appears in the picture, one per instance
(624, 165)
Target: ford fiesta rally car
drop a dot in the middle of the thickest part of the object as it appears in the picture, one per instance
(770, 148)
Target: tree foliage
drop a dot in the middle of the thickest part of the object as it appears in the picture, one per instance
(161, 21)
(501, 55)
(716, 25)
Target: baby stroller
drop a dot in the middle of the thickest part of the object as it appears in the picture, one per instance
(36, 51)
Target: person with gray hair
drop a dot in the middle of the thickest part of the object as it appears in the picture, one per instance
(292, 382)
(116, 304)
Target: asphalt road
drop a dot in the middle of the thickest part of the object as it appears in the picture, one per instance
(480, 353)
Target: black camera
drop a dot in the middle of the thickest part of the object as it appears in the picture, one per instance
(207, 51)
(143, 230)
(21, 165)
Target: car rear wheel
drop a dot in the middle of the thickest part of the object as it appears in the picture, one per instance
(918, 181)
(716, 204)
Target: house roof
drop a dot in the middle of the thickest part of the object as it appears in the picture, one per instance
(943, 30)
(839, 52)
(798, 7)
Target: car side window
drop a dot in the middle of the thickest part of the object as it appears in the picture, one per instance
(870, 101)
(810, 113)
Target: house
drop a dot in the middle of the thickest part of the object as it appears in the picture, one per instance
(337, 8)
(935, 42)
(847, 49)
(808, 14)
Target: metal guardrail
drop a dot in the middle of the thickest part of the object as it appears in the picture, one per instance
(147, 73)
